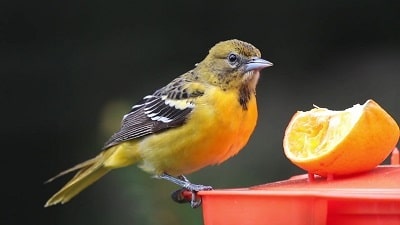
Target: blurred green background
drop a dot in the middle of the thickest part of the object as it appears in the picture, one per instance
(70, 70)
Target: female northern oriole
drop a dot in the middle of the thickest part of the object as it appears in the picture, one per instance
(201, 118)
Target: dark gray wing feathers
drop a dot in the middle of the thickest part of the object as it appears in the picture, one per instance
(154, 113)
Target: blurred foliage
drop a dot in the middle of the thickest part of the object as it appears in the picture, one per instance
(70, 70)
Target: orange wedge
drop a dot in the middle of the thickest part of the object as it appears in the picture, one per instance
(328, 142)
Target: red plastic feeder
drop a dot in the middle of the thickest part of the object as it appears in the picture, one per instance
(368, 198)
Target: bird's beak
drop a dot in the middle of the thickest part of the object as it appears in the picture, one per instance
(257, 64)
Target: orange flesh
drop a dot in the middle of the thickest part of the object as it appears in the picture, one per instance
(318, 131)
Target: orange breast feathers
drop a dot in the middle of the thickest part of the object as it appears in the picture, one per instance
(220, 127)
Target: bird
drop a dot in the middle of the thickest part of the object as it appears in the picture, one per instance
(201, 118)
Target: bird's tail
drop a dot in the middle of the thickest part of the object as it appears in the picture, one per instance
(89, 172)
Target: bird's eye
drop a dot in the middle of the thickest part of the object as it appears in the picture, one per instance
(232, 58)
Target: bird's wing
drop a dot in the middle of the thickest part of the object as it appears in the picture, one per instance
(166, 108)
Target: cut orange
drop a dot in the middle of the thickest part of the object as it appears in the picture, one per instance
(328, 142)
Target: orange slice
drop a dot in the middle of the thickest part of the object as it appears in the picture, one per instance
(328, 142)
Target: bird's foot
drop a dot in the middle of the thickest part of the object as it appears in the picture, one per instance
(185, 196)
(180, 195)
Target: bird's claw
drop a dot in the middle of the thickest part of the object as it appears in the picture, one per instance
(195, 201)
(182, 196)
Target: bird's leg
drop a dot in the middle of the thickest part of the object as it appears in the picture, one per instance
(186, 186)
(184, 182)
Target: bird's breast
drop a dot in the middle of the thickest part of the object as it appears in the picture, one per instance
(217, 129)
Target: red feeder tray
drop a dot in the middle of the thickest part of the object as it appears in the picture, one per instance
(368, 198)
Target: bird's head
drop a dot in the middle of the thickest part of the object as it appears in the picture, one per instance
(232, 64)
